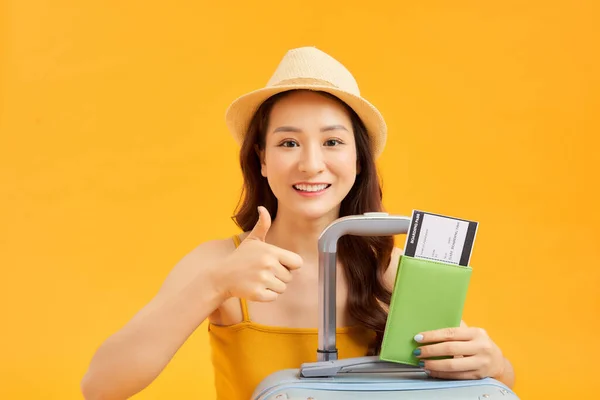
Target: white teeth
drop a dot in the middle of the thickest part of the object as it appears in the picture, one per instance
(311, 188)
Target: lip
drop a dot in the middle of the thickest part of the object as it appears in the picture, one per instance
(311, 194)
(311, 183)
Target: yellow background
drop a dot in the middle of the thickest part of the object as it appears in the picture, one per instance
(115, 162)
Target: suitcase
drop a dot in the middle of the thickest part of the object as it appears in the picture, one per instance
(363, 377)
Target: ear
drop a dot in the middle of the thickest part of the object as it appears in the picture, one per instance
(261, 158)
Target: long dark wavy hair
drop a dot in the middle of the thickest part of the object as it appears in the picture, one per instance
(364, 259)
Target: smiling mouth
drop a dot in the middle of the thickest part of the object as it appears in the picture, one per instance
(311, 188)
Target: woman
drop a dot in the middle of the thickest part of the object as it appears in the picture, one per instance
(308, 147)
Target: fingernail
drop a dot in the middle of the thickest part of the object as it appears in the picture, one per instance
(418, 337)
(421, 363)
(417, 352)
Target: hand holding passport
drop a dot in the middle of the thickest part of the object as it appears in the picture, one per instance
(431, 283)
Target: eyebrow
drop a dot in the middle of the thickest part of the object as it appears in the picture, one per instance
(297, 130)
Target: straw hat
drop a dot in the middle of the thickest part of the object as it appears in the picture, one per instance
(312, 69)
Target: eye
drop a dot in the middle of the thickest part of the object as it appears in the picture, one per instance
(333, 142)
(288, 143)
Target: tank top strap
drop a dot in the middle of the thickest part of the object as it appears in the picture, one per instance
(243, 303)
(245, 315)
(236, 241)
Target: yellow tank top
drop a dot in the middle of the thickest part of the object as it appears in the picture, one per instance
(246, 353)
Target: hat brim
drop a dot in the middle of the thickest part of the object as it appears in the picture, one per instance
(240, 112)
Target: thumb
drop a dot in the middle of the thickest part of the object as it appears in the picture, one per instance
(262, 225)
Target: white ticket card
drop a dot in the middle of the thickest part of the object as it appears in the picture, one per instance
(440, 238)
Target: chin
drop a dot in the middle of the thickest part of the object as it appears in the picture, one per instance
(316, 211)
(313, 209)
(316, 214)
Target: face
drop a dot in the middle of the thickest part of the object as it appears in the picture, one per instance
(310, 158)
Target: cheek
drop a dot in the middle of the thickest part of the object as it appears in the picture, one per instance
(345, 165)
(276, 165)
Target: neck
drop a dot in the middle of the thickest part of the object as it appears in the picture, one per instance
(299, 235)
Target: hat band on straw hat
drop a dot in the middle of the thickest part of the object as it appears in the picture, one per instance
(305, 81)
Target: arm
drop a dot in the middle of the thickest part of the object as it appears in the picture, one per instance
(133, 357)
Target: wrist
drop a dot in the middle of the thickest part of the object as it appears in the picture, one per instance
(500, 369)
(217, 282)
(505, 374)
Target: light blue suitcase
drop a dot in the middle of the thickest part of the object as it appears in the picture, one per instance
(363, 377)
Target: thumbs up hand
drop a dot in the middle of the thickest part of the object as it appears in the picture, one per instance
(256, 270)
(259, 232)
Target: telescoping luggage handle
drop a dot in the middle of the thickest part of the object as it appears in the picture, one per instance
(367, 224)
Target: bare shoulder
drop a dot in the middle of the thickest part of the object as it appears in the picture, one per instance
(390, 274)
(203, 255)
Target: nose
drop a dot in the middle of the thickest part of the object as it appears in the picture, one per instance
(311, 160)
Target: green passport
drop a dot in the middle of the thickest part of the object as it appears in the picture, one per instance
(427, 295)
